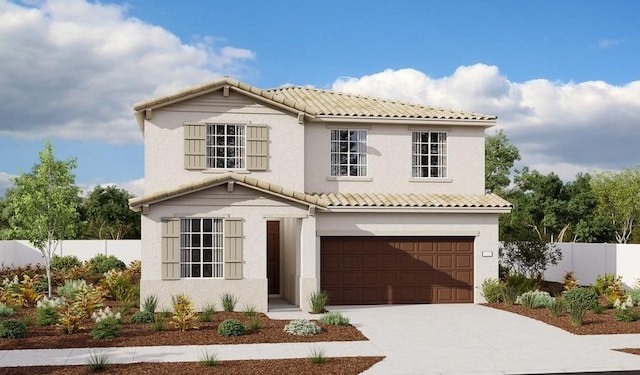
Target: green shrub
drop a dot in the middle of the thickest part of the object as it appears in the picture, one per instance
(107, 328)
(557, 307)
(584, 297)
(207, 313)
(67, 262)
(254, 323)
(598, 309)
(535, 299)
(576, 313)
(231, 328)
(209, 359)
(5, 310)
(635, 295)
(229, 302)
(317, 356)
(492, 290)
(118, 285)
(47, 316)
(302, 327)
(521, 283)
(318, 301)
(158, 325)
(334, 318)
(627, 315)
(13, 329)
(103, 263)
(150, 303)
(98, 361)
(509, 294)
(72, 287)
(143, 317)
(249, 311)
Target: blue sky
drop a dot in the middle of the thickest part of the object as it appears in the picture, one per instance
(562, 76)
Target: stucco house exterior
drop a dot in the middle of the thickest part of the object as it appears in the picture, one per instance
(287, 191)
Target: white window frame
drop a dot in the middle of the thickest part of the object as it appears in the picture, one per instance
(429, 155)
(201, 248)
(226, 149)
(348, 156)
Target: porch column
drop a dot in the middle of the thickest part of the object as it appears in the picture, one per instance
(309, 261)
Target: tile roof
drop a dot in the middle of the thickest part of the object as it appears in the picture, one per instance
(319, 103)
(414, 200)
(138, 202)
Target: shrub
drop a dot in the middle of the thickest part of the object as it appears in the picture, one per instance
(529, 257)
(318, 301)
(47, 311)
(104, 314)
(207, 313)
(584, 297)
(254, 323)
(302, 327)
(69, 317)
(229, 302)
(576, 313)
(492, 290)
(150, 303)
(635, 295)
(249, 311)
(5, 310)
(103, 263)
(118, 285)
(535, 299)
(27, 290)
(627, 315)
(98, 361)
(107, 328)
(334, 318)
(184, 315)
(231, 328)
(158, 325)
(13, 329)
(509, 294)
(67, 262)
(520, 283)
(89, 299)
(317, 356)
(143, 317)
(569, 281)
(557, 307)
(208, 359)
(72, 287)
(609, 286)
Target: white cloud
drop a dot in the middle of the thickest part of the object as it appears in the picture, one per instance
(135, 187)
(565, 127)
(608, 43)
(74, 69)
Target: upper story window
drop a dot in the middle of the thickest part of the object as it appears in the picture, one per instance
(429, 154)
(201, 248)
(225, 146)
(348, 152)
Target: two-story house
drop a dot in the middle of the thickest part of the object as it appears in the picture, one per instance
(293, 190)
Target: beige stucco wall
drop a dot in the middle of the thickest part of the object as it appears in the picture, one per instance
(389, 161)
(484, 227)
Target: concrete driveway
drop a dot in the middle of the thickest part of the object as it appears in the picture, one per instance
(474, 339)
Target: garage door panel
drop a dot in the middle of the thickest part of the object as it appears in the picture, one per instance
(383, 270)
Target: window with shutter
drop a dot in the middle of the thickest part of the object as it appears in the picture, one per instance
(170, 257)
(233, 248)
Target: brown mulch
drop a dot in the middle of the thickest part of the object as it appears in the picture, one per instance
(594, 324)
(272, 331)
(343, 366)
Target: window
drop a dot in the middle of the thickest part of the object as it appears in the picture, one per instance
(348, 152)
(429, 155)
(201, 248)
(225, 146)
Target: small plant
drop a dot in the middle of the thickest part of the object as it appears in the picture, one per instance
(521, 283)
(103, 263)
(609, 286)
(143, 317)
(509, 295)
(534, 299)
(569, 281)
(184, 315)
(98, 361)
(302, 327)
(581, 296)
(492, 290)
(624, 311)
(158, 325)
(231, 328)
(13, 329)
(635, 295)
(598, 309)
(107, 328)
(28, 293)
(334, 318)
(317, 356)
(229, 302)
(64, 263)
(150, 303)
(557, 307)
(576, 313)
(118, 285)
(207, 313)
(254, 323)
(249, 311)
(318, 301)
(47, 310)
(104, 314)
(89, 299)
(72, 287)
(209, 359)
(70, 316)
(5, 310)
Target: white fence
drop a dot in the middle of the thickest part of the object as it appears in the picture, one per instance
(587, 261)
(19, 253)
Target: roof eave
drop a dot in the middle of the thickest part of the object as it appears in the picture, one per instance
(405, 121)
(440, 210)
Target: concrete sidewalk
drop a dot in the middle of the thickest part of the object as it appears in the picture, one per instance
(416, 339)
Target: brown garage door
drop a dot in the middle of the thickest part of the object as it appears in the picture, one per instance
(385, 270)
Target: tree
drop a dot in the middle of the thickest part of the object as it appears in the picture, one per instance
(499, 159)
(619, 199)
(43, 205)
(108, 214)
(588, 224)
(529, 258)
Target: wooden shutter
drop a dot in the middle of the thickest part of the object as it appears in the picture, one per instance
(233, 248)
(171, 249)
(195, 146)
(257, 143)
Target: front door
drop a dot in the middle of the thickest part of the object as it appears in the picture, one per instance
(273, 256)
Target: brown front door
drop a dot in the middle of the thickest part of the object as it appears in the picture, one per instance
(273, 256)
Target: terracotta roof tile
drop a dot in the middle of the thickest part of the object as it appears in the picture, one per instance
(413, 200)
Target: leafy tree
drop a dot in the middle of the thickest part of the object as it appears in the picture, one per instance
(619, 199)
(588, 224)
(529, 258)
(108, 214)
(43, 205)
(499, 158)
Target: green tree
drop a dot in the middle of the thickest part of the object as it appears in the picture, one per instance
(530, 258)
(619, 199)
(500, 156)
(108, 215)
(43, 205)
(588, 224)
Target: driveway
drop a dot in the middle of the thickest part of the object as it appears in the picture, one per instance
(474, 339)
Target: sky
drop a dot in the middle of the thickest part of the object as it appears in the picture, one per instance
(563, 77)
